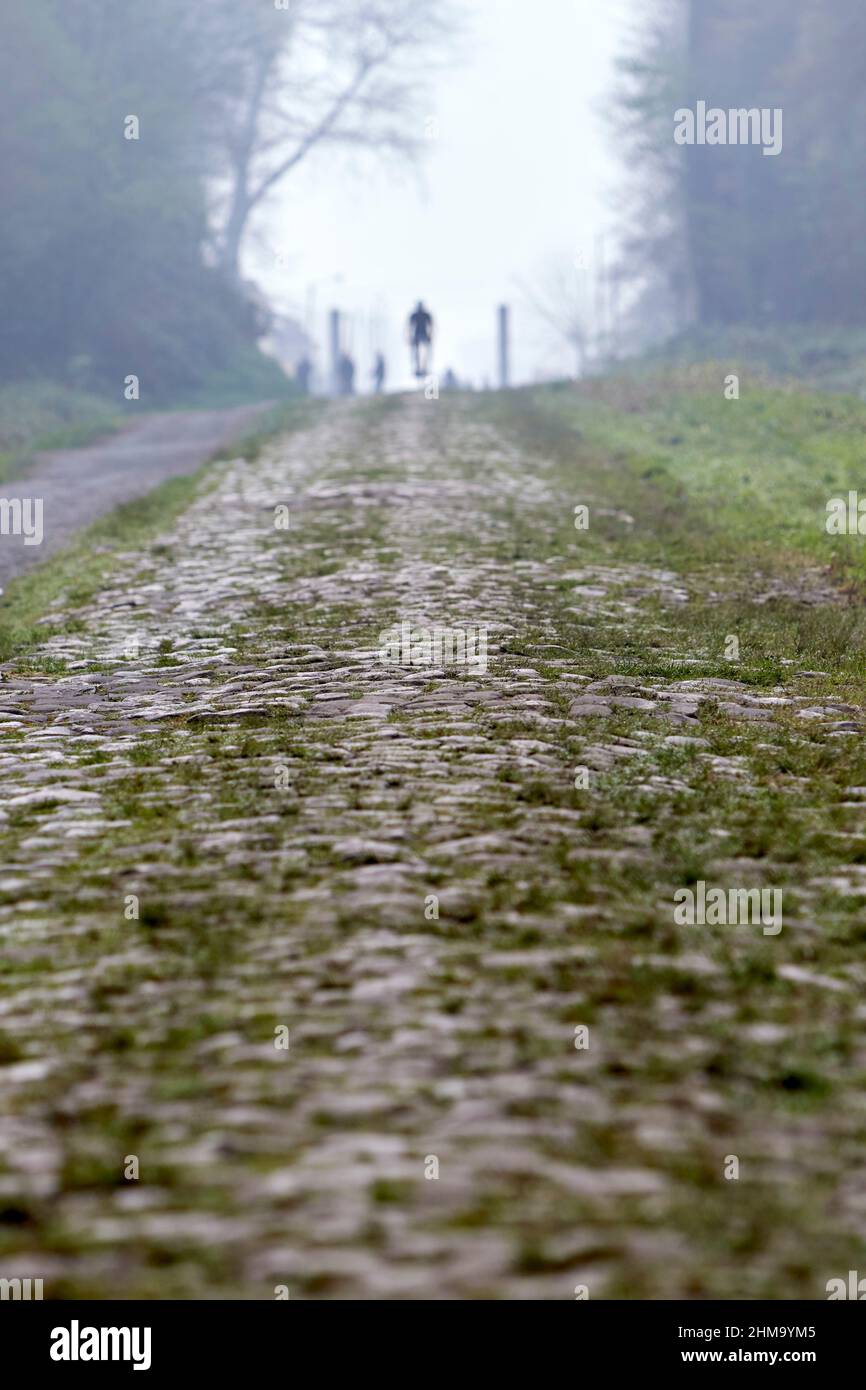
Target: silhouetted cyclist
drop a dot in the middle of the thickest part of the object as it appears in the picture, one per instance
(421, 338)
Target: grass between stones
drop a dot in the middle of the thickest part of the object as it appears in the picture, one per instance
(305, 905)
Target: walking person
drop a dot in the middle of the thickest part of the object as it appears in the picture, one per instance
(379, 373)
(421, 338)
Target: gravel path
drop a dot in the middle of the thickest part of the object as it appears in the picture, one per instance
(76, 486)
(296, 942)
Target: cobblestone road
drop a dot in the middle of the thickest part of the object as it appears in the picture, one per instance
(295, 942)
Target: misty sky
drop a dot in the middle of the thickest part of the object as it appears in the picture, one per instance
(520, 171)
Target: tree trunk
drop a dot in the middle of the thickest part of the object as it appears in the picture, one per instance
(230, 251)
(241, 201)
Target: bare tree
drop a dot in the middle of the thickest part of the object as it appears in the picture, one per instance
(560, 297)
(320, 73)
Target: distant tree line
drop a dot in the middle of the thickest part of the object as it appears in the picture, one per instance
(720, 233)
(121, 254)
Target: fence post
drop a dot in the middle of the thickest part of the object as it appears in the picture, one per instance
(504, 346)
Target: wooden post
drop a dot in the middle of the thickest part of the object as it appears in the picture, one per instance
(504, 347)
(335, 351)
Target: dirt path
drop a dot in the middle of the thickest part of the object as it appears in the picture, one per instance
(78, 485)
(297, 944)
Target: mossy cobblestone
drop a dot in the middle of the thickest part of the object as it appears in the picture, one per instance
(214, 733)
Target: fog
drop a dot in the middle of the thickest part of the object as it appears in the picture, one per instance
(518, 167)
(432, 820)
(175, 179)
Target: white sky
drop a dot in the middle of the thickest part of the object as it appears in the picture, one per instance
(520, 170)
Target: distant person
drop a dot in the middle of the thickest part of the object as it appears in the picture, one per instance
(449, 381)
(379, 372)
(421, 338)
(303, 375)
(346, 375)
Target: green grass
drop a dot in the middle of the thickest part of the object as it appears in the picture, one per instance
(753, 476)
(729, 494)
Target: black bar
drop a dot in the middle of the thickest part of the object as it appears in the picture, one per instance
(267, 1338)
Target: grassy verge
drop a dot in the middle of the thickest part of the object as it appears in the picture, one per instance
(755, 474)
(728, 495)
(715, 480)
